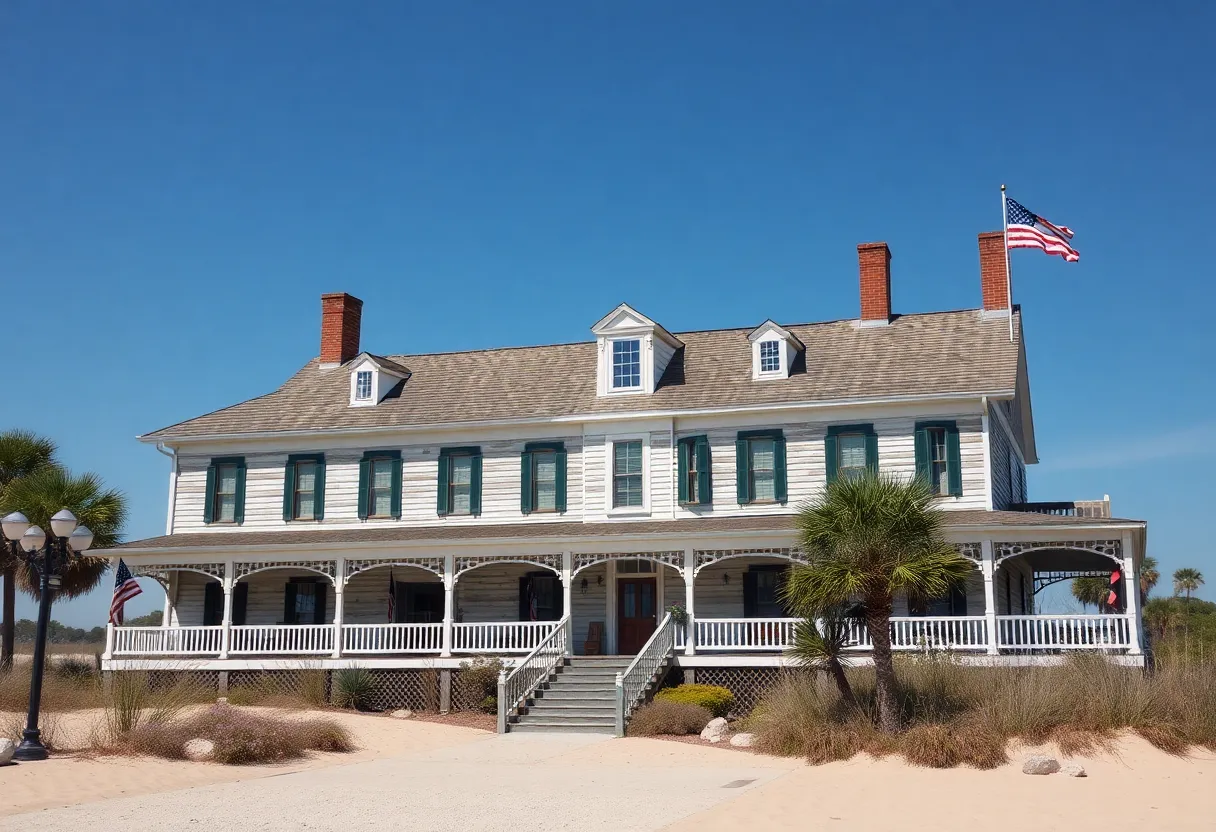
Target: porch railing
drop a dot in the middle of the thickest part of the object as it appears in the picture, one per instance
(392, 638)
(631, 685)
(533, 669)
(744, 634)
(501, 636)
(283, 639)
(774, 635)
(1062, 632)
(168, 641)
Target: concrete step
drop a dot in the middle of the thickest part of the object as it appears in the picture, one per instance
(561, 714)
(607, 674)
(564, 727)
(568, 697)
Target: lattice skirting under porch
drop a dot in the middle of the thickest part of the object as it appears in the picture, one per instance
(417, 690)
(205, 682)
(748, 684)
(310, 685)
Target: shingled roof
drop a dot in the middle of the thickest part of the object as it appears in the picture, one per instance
(916, 355)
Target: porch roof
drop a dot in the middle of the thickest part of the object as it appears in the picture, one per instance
(977, 520)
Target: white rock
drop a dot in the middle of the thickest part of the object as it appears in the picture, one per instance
(743, 740)
(402, 713)
(1040, 764)
(199, 750)
(1074, 770)
(716, 730)
(6, 751)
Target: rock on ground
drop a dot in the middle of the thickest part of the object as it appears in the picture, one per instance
(6, 751)
(743, 740)
(402, 713)
(199, 749)
(716, 730)
(1074, 770)
(1040, 764)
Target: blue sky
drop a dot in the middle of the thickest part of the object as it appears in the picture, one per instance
(181, 183)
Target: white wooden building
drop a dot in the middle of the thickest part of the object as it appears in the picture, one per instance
(404, 513)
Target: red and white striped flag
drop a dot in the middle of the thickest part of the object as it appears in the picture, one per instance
(1024, 229)
(125, 588)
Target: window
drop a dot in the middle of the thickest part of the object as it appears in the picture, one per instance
(544, 481)
(850, 451)
(938, 460)
(770, 356)
(760, 466)
(627, 474)
(380, 485)
(626, 364)
(380, 497)
(304, 602)
(225, 491)
(543, 477)
(695, 471)
(305, 495)
(634, 567)
(540, 597)
(459, 484)
(304, 487)
(762, 591)
(363, 385)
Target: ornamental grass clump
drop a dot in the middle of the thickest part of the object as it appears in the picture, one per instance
(354, 688)
(717, 700)
(668, 717)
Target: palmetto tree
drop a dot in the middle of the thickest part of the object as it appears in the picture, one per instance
(104, 510)
(21, 454)
(1149, 575)
(869, 538)
(1187, 580)
(1091, 591)
(820, 645)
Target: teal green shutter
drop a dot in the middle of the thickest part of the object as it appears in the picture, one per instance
(779, 477)
(922, 454)
(289, 490)
(705, 477)
(365, 479)
(209, 504)
(318, 485)
(682, 470)
(954, 462)
(289, 603)
(239, 514)
(742, 469)
(318, 610)
(831, 457)
(525, 482)
(475, 488)
(444, 479)
(872, 452)
(395, 506)
(560, 498)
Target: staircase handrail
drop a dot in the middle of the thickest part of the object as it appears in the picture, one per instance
(531, 671)
(631, 684)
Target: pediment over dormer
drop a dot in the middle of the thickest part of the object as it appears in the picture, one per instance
(372, 377)
(633, 352)
(774, 350)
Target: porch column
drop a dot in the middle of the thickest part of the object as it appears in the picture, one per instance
(226, 636)
(988, 565)
(449, 605)
(1132, 592)
(690, 629)
(166, 618)
(339, 604)
(567, 597)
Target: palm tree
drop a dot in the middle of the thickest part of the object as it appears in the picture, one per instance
(1149, 575)
(1187, 580)
(821, 646)
(1091, 591)
(21, 453)
(104, 510)
(869, 538)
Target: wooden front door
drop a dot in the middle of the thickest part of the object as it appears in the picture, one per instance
(637, 611)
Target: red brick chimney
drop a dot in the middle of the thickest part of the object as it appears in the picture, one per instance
(994, 277)
(874, 260)
(340, 317)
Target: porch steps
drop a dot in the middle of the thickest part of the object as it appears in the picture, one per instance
(580, 697)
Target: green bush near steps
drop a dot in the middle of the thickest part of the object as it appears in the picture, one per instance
(717, 700)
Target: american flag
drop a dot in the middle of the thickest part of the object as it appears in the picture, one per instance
(125, 588)
(392, 596)
(1027, 230)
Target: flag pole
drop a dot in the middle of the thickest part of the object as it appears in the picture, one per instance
(1008, 273)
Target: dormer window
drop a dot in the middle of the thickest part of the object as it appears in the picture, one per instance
(363, 385)
(774, 350)
(770, 356)
(372, 377)
(626, 364)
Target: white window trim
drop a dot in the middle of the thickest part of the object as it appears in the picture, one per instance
(643, 353)
(609, 466)
(370, 401)
(371, 385)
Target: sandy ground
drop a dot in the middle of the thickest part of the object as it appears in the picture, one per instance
(427, 776)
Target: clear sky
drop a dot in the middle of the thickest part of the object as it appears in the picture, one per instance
(182, 181)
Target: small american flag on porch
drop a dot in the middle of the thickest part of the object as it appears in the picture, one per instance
(125, 588)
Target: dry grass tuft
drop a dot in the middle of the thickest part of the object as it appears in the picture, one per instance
(667, 717)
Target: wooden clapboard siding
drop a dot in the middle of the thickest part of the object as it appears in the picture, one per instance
(663, 352)
(267, 591)
(1007, 586)
(366, 595)
(660, 462)
(187, 610)
(673, 589)
(593, 606)
(491, 593)
(717, 599)
(1003, 457)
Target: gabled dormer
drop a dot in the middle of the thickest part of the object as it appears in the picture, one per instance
(774, 350)
(372, 377)
(633, 352)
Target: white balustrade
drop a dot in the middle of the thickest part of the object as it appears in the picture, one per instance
(631, 685)
(500, 637)
(392, 638)
(283, 639)
(954, 632)
(533, 670)
(167, 641)
(773, 635)
(744, 634)
(1063, 632)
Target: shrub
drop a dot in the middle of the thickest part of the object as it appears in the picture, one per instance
(665, 716)
(354, 688)
(717, 700)
(489, 705)
(73, 669)
(478, 681)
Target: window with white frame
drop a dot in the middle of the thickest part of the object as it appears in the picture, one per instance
(225, 493)
(770, 356)
(627, 474)
(363, 385)
(852, 461)
(762, 459)
(634, 567)
(939, 462)
(460, 484)
(626, 364)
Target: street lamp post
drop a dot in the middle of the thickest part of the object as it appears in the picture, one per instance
(48, 555)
